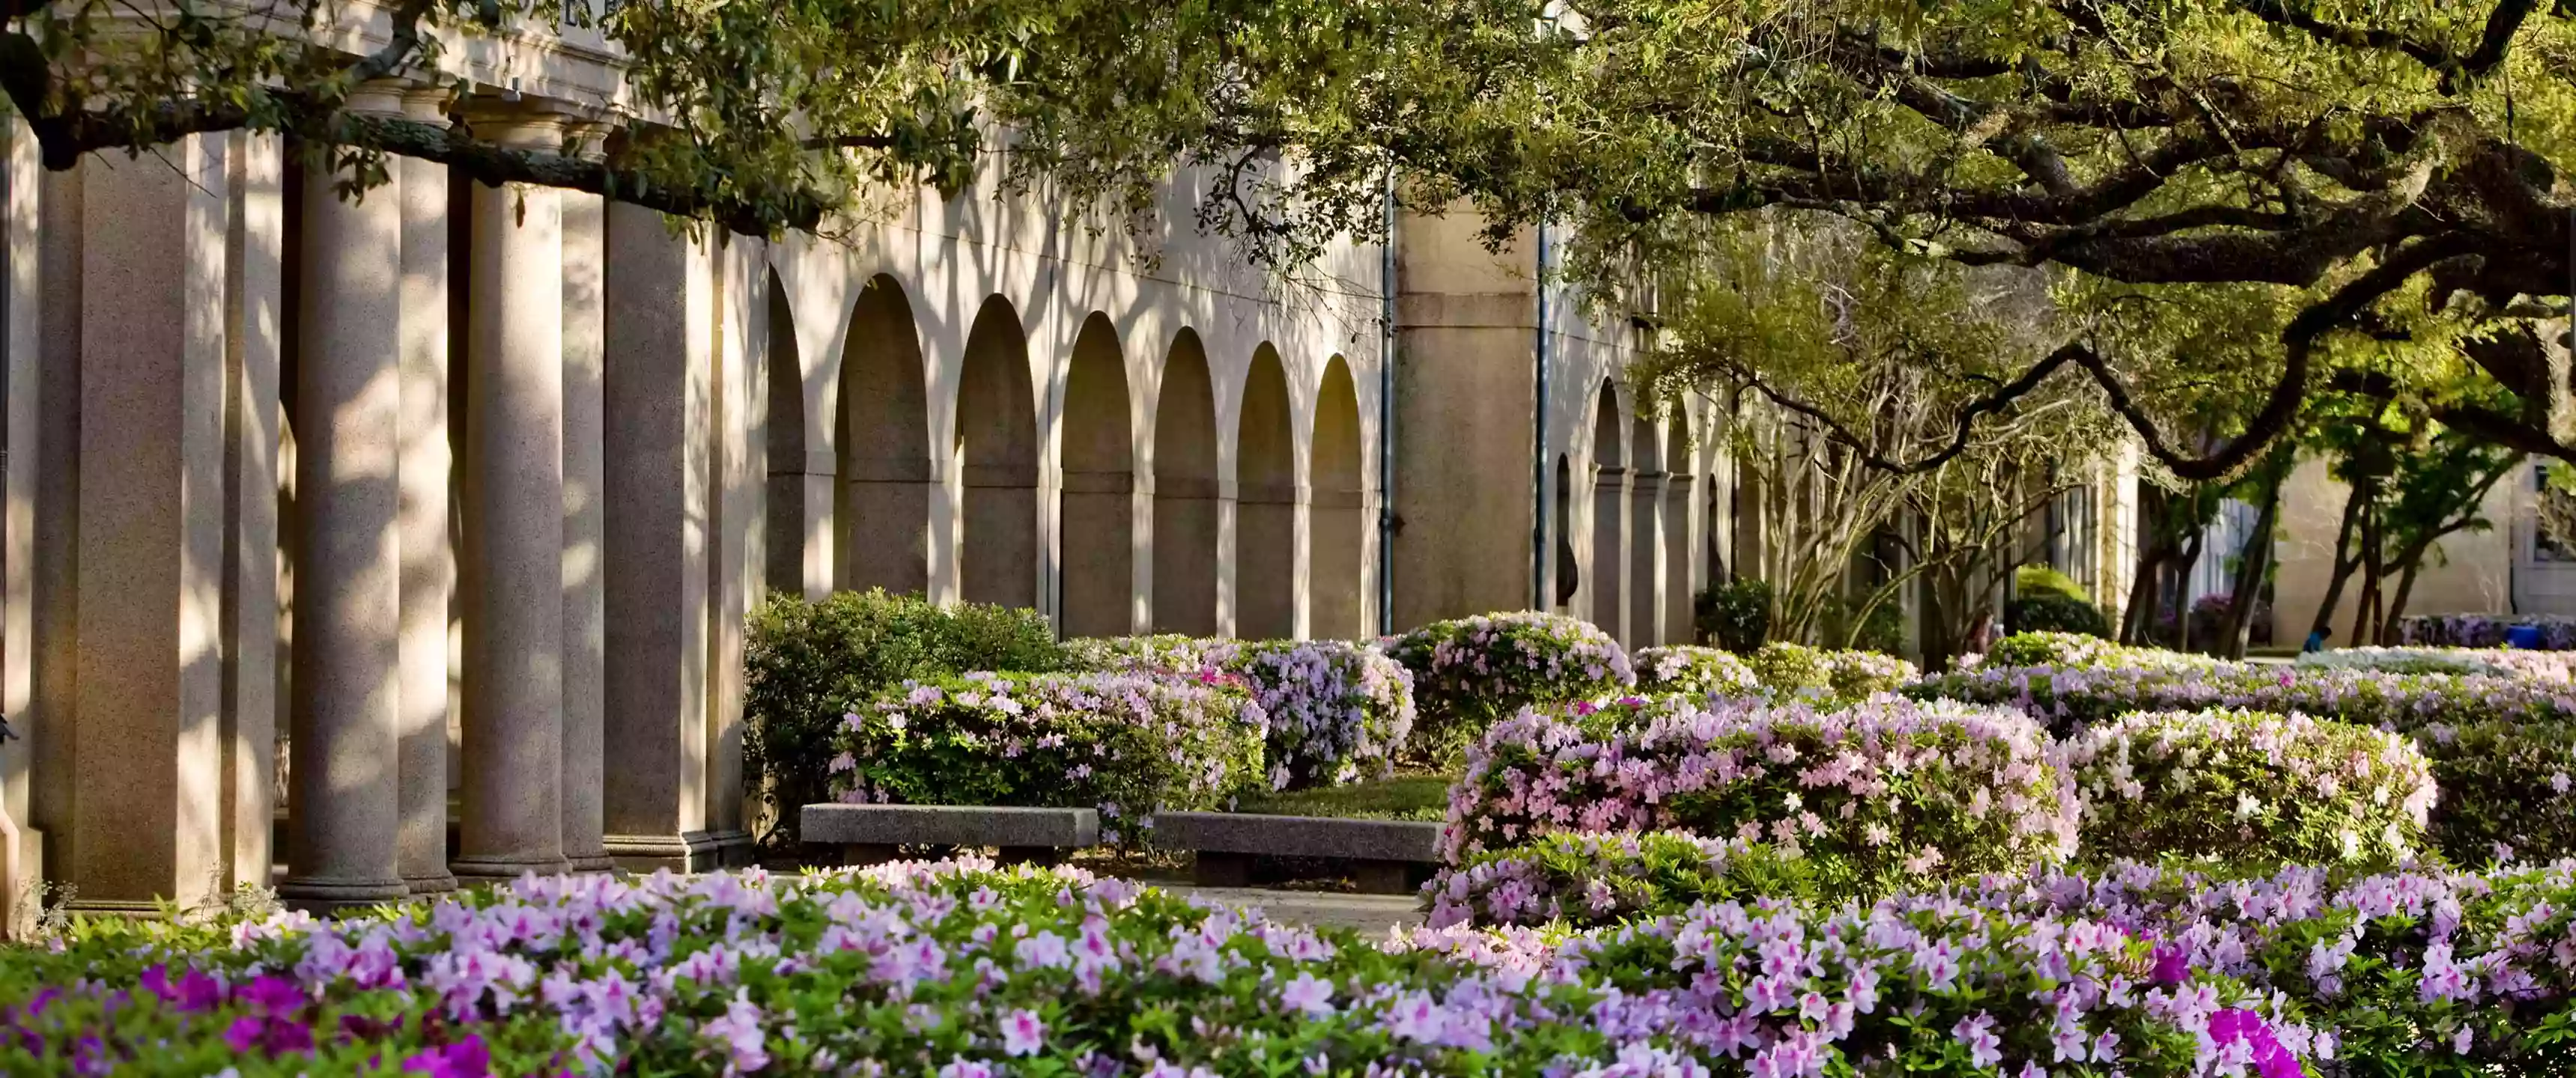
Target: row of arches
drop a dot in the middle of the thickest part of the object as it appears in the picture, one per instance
(1636, 582)
(1140, 541)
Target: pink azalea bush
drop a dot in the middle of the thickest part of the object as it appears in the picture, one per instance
(1796, 671)
(2248, 787)
(2491, 662)
(1337, 711)
(1472, 672)
(1685, 670)
(1877, 795)
(1597, 879)
(952, 970)
(1129, 744)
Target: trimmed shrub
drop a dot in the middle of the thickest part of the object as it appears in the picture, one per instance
(2046, 612)
(2488, 662)
(2248, 787)
(805, 664)
(1589, 880)
(2505, 790)
(1694, 672)
(1875, 796)
(2047, 580)
(2077, 651)
(1859, 675)
(2069, 698)
(1796, 671)
(952, 970)
(1177, 652)
(1129, 744)
(2557, 633)
(1469, 673)
(1735, 615)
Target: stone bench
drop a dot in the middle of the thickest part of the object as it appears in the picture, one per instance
(1386, 856)
(872, 834)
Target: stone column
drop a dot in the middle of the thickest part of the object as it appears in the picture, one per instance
(255, 314)
(512, 565)
(584, 556)
(148, 765)
(348, 583)
(661, 492)
(1681, 545)
(1602, 575)
(50, 748)
(1645, 562)
(421, 515)
(21, 364)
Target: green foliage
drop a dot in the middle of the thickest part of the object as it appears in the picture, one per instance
(2505, 790)
(1418, 797)
(1471, 672)
(806, 663)
(2079, 651)
(2249, 788)
(1128, 744)
(1595, 880)
(2044, 580)
(1694, 672)
(2050, 612)
(1735, 615)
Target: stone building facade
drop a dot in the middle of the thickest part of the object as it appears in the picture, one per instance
(447, 503)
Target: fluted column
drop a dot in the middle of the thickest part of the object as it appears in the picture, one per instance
(512, 565)
(348, 583)
(584, 557)
(422, 515)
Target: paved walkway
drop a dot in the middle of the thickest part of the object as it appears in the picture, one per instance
(1370, 914)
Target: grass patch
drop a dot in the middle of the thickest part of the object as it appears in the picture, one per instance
(1420, 795)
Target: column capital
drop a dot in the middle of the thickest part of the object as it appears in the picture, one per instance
(519, 125)
(588, 139)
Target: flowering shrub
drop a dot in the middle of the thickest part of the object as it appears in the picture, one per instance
(2484, 630)
(2505, 790)
(1873, 795)
(805, 664)
(1130, 744)
(2074, 650)
(2248, 787)
(1338, 712)
(1858, 675)
(1471, 672)
(1693, 671)
(955, 971)
(2452, 973)
(2490, 662)
(2067, 698)
(1604, 879)
(1796, 671)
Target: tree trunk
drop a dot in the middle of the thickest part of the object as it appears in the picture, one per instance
(2365, 612)
(2250, 566)
(2345, 561)
(2182, 588)
(2397, 602)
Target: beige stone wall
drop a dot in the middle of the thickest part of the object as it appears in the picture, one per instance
(2470, 573)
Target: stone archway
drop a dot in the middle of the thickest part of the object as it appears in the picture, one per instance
(1645, 523)
(997, 457)
(1609, 512)
(1097, 517)
(881, 506)
(1185, 492)
(1337, 515)
(1265, 504)
(797, 488)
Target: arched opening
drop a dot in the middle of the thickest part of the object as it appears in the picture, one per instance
(1337, 536)
(795, 497)
(1265, 505)
(1678, 594)
(997, 453)
(1569, 569)
(1098, 503)
(1645, 523)
(883, 499)
(1609, 511)
(1185, 492)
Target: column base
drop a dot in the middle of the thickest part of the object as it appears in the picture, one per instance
(594, 863)
(691, 851)
(322, 895)
(430, 885)
(473, 870)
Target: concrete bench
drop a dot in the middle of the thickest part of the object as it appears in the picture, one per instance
(1386, 856)
(871, 834)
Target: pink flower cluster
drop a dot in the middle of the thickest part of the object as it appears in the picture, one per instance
(1882, 792)
(1336, 711)
(2249, 785)
(1694, 671)
(1470, 672)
